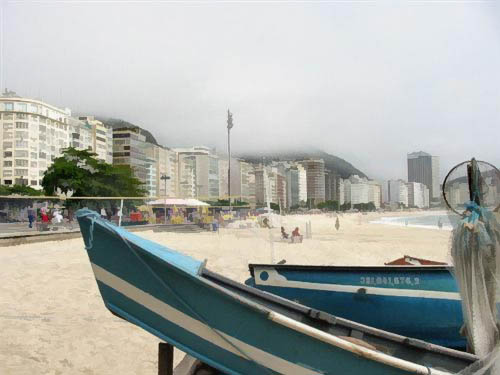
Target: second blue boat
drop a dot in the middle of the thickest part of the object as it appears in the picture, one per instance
(414, 301)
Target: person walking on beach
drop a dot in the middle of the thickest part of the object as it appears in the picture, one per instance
(31, 217)
(337, 224)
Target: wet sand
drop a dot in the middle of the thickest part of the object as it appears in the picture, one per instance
(53, 321)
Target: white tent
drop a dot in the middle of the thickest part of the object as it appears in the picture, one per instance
(178, 202)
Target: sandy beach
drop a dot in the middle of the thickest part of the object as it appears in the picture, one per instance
(53, 321)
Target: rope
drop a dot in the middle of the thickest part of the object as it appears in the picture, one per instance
(93, 217)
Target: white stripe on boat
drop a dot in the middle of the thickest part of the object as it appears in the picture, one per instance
(198, 328)
(278, 280)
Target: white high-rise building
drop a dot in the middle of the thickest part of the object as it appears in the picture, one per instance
(80, 134)
(418, 195)
(102, 138)
(302, 183)
(359, 193)
(375, 193)
(347, 191)
(223, 175)
(32, 135)
(199, 173)
(398, 192)
(166, 167)
(341, 192)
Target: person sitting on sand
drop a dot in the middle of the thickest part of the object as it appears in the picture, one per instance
(265, 223)
(284, 234)
(295, 232)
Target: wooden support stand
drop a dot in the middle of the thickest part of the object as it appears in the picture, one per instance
(188, 365)
(165, 359)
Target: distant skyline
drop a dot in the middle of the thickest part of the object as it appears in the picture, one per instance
(368, 82)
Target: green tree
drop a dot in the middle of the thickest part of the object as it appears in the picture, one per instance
(328, 205)
(370, 206)
(274, 206)
(86, 176)
(19, 190)
(225, 202)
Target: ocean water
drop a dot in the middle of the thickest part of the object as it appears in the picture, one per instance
(429, 221)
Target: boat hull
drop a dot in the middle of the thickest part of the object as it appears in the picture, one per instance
(413, 301)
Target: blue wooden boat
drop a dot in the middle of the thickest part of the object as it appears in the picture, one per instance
(416, 301)
(238, 329)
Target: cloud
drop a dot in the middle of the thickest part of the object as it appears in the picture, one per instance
(367, 82)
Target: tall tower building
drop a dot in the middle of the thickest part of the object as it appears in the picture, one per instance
(424, 168)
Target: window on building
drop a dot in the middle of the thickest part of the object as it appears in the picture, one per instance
(34, 118)
(21, 181)
(22, 107)
(7, 163)
(21, 163)
(21, 144)
(34, 155)
(21, 134)
(21, 154)
(7, 145)
(9, 106)
(21, 172)
(8, 126)
(7, 154)
(21, 125)
(7, 182)
(33, 182)
(7, 135)
(33, 164)
(119, 135)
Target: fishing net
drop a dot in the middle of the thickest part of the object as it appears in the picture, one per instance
(472, 192)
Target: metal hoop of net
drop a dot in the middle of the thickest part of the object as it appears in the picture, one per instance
(473, 180)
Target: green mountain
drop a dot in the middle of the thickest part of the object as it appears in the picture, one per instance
(118, 123)
(332, 162)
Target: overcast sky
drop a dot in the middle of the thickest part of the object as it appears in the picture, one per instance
(365, 81)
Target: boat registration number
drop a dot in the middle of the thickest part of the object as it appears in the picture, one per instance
(382, 280)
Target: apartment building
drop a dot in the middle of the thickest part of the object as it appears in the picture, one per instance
(130, 148)
(398, 192)
(198, 173)
(418, 195)
(315, 173)
(32, 135)
(242, 180)
(102, 138)
(166, 169)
